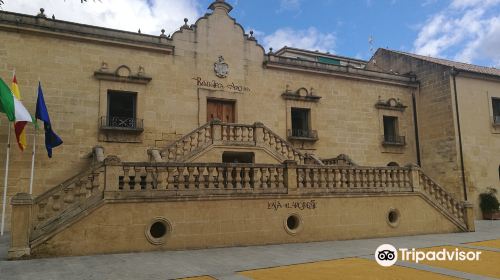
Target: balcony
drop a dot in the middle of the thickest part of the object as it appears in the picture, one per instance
(394, 140)
(302, 134)
(496, 120)
(122, 124)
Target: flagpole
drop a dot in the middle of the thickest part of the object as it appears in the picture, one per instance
(33, 161)
(5, 183)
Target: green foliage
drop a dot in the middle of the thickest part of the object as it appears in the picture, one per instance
(488, 201)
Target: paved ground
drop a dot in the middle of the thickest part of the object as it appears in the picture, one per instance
(319, 260)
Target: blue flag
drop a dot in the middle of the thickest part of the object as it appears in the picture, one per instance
(51, 138)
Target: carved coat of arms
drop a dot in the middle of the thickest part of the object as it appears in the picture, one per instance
(221, 68)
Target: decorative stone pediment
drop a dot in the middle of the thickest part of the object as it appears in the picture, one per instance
(390, 104)
(302, 94)
(122, 73)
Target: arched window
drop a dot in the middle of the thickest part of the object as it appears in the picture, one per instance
(393, 164)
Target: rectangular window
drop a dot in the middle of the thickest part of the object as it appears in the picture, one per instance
(300, 122)
(496, 110)
(122, 110)
(390, 129)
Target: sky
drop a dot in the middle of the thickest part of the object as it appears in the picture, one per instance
(461, 30)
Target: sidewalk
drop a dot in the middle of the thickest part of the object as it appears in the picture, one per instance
(225, 263)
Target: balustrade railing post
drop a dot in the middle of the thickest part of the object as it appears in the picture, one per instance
(469, 215)
(258, 133)
(155, 155)
(291, 182)
(216, 131)
(113, 168)
(21, 218)
(415, 178)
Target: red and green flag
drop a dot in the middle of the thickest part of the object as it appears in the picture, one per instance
(11, 106)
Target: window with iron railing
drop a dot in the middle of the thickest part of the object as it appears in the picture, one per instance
(121, 113)
(301, 125)
(391, 132)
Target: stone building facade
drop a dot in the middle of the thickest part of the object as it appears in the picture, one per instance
(458, 115)
(204, 120)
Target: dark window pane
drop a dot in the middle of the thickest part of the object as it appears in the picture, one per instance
(300, 122)
(390, 129)
(121, 104)
(496, 106)
(237, 157)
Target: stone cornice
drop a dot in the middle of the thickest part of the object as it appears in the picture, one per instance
(82, 32)
(291, 64)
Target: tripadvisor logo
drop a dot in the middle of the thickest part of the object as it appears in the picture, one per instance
(387, 255)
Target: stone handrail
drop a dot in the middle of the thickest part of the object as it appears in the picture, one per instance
(329, 179)
(441, 197)
(216, 132)
(50, 205)
(191, 142)
(237, 133)
(281, 146)
(160, 180)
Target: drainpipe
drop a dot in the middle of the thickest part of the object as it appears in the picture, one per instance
(415, 121)
(454, 72)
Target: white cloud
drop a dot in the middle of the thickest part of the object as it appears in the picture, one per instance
(467, 30)
(127, 15)
(310, 39)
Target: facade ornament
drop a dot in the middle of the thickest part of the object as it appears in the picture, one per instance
(141, 71)
(163, 33)
(42, 13)
(221, 68)
(390, 104)
(104, 67)
(251, 37)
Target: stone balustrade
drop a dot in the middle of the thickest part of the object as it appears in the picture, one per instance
(191, 142)
(174, 179)
(328, 179)
(237, 133)
(218, 133)
(80, 189)
(445, 200)
(169, 180)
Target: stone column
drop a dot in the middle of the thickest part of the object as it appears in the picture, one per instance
(291, 176)
(469, 215)
(22, 207)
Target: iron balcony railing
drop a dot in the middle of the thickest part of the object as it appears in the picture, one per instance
(120, 123)
(394, 140)
(303, 134)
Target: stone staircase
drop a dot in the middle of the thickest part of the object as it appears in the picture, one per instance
(58, 206)
(216, 133)
(170, 177)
